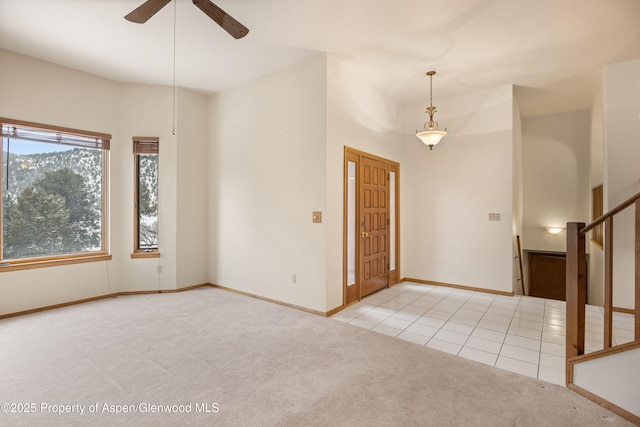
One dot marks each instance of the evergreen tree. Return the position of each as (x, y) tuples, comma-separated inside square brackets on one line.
[(84, 220), (7, 204), (38, 225), (145, 204), (148, 190), (56, 215), (148, 201)]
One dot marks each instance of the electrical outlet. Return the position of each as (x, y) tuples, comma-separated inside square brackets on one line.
[(294, 279), (494, 217), (159, 269)]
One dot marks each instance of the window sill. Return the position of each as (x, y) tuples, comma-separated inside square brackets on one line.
[(52, 262), (137, 255)]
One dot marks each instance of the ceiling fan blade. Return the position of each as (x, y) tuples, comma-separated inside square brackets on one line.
[(222, 18), (146, 10)]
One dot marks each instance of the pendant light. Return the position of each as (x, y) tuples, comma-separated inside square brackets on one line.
[(431, 135)]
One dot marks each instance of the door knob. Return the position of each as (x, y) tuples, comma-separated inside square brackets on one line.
[(364, 234)]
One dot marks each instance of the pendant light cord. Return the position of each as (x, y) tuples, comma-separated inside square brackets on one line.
[(431, 90)]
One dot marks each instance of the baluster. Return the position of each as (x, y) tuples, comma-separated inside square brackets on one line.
[(608, 282)]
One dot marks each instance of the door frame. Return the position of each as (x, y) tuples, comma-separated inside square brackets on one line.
[(352, 154)]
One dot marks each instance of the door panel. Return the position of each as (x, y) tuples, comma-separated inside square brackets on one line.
[(547, 275), (374, 241)]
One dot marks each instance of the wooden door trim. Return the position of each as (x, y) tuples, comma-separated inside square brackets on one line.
[(361, 153), (345, 226), (394, 275), (352, 154)]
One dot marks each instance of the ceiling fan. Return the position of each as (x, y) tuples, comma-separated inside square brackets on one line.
[(150, 7)]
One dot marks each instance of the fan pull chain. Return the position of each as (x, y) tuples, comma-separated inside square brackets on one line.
[(174, 67)]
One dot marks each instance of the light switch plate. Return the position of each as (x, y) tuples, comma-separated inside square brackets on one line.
[(494, 217), (317, 217)]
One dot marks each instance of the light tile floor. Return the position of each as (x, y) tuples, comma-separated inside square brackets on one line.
[(521, 334)]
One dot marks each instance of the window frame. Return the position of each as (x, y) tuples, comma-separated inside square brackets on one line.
[(142, 145), (103, 142), (597, 210)]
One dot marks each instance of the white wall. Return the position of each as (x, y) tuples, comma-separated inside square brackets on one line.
[(192, 205), (447, 193), (144, 111), (518, 198), (556, 177), (147, 110), (615, 378), (621, 170), (595, 288), (597, 141), (42, 92), (267, 175)]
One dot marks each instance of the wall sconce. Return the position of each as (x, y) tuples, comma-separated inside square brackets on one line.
[(554, 230)]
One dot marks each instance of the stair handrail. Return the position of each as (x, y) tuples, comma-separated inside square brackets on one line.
[(622, 206), (519, 256), (576, 280), (576, 297)]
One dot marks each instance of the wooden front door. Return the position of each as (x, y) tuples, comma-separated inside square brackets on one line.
[(371, 245), (374, 230)]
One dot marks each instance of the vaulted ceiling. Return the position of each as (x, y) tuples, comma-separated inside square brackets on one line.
[(553, 50)]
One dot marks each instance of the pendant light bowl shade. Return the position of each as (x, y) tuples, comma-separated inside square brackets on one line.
[(431, 136)]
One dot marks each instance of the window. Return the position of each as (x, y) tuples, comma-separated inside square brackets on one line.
[(145, 154), (54, 195), (597, 210)]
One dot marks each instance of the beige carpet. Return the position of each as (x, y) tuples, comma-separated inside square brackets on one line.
[(251, 363)]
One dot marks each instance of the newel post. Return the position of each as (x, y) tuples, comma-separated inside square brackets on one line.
[(576, 283)]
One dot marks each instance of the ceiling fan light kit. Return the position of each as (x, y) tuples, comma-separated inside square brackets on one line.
[(146, 10), (431, 136)]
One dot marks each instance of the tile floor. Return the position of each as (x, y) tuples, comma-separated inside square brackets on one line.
[(520, 334)]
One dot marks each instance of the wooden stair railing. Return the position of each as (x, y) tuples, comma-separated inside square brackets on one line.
[(519, 256), (576, 283)]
